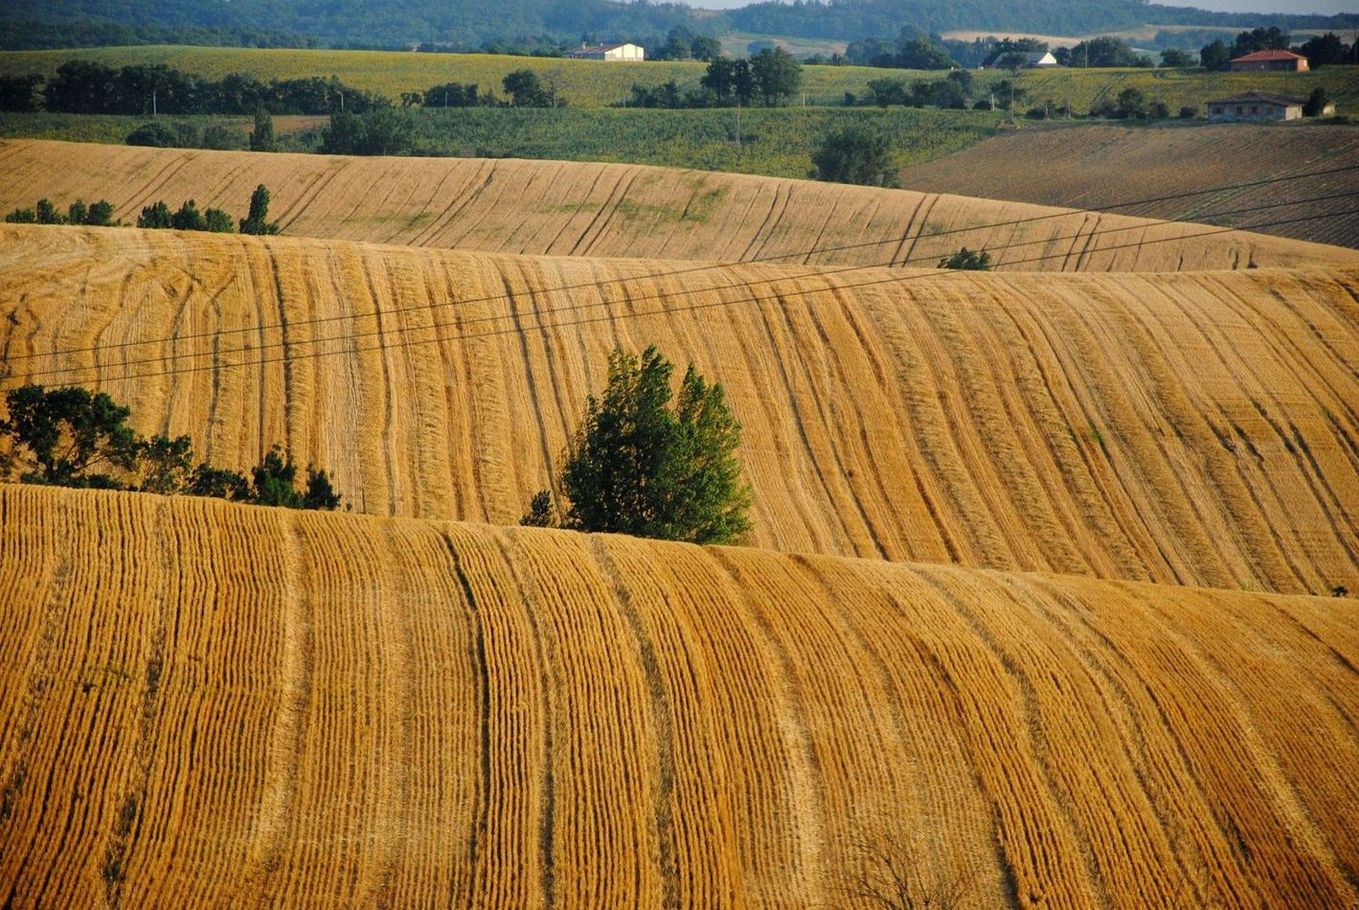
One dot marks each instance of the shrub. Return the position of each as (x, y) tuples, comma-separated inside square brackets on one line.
[(967, 260), (855, 154), (257, 221), (1189, 112)]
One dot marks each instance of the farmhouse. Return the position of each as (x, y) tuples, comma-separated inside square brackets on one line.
[(1256, 106), (1039, 59), (609, 52), (1269, 61)]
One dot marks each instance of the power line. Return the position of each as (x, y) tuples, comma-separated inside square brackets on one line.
[(319, 320), (540, 326), (379, 332)]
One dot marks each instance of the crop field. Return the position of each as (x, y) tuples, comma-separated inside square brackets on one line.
[(1071, 167), (587, 83), (561, 208), (1194, 428), (774, 142), (584, 83), (217, 705)]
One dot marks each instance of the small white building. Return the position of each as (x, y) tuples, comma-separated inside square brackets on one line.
[(1039, 60), (630, 52), (1256, 106)]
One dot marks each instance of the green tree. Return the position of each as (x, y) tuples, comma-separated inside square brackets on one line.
[(1215, 55), (638, 466), (262, 136), (100, 214), (1316, 103), (526, 89), (188, 218), (257, 221), (967, 260), (705, 48), (69, 437), (855, 154), (776, 75), (156, 215), (1175, 57)]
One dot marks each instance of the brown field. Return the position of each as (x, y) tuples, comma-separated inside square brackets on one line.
[(1071, 166), (1198, 428), (215, 705), (578, 209)]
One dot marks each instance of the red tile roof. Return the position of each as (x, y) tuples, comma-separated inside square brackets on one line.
[(1262, 56)]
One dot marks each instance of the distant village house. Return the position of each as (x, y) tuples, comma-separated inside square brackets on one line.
[(1260, 106), (1039, 59), (1270, 61), (609, 52)]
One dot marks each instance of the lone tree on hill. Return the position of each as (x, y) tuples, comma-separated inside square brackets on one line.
[(257, 221), (637, 466)]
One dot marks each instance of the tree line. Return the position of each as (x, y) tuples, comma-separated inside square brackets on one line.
[(86, 87), (155, 216), (72, 437)]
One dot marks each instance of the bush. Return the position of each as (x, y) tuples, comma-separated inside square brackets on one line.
[(967, 260), (1189, 112), (855, 154), (161, 135), (637, 466)]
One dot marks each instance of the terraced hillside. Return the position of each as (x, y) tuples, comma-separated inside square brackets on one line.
[(1071, 167), (564, 208), (1195, 428), (216, 705)]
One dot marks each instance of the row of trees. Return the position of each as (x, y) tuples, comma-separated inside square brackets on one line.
[(189, 218), (86, 87), (96, 214), (72, 437)]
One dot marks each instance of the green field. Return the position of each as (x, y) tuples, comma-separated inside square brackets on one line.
[(586, 83), (775, 142)]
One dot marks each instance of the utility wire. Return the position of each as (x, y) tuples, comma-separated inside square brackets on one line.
[(661, 311), (379, 332), (318, 320)]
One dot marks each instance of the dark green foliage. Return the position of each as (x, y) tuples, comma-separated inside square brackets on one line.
[(539, 514), (72, 437), (157, 216), (257, 221), (855, 154), (455, 94), (967, 260), (20, 93), (1260, 39), (638, 466), (1106, 51), (68, 437), (100, 214), (527, 90), (262, 136), (188, 218), (705, 48), (380, 131), (1130, 104), (1326, 50), (729, 80), (1215, 55), (218, 222), (776, 76), (220, 136), (1316, 103), (1158, 110), (1176, 57), (1189, 112), (162, 135)]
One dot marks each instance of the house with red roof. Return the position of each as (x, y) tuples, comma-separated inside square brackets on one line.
[(1270, 61)]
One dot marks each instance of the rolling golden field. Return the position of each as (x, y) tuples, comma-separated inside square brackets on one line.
[(1071, 167), (1196, 428), (218, 705), (617, 210)]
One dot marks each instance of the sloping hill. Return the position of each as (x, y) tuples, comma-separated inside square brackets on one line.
[(1196, 428), (570, 208), (214, 705), (1071, 167)]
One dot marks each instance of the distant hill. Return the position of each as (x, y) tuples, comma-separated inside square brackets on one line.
[(395, 23)]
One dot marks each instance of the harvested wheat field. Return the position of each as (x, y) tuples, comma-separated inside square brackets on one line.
[(1191, 428), (219, 705), (1071, 167), (579, 209)]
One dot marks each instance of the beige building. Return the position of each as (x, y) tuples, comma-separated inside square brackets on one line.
[(1256, 106), (1270, 61), (609, 52)]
